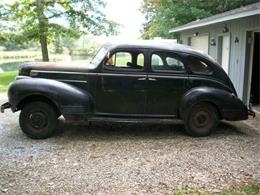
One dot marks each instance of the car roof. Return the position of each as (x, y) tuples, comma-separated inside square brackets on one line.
[(158, 44)]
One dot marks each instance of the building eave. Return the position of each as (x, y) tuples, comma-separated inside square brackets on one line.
[(215, 21)]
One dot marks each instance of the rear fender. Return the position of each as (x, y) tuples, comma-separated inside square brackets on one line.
[(229, 106), (72, 102)]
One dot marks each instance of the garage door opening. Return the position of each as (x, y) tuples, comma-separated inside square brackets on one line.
[(200, 43), (255, 80)]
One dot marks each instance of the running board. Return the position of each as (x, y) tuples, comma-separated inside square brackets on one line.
[(134, 120)]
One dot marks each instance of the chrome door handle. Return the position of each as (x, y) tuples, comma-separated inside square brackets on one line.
[(152, 79), (141, 79)]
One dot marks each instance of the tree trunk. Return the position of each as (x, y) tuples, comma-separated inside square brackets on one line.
[(44, 48), (43, 28)]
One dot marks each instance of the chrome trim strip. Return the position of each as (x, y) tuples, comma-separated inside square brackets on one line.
[(169, 76), (62, 72), (89, 73), (74, 81), (120, 75)]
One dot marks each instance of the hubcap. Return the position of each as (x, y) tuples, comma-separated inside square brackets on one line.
[(201, 119), (38, 120)]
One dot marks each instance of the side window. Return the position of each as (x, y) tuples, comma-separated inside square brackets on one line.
[(175, 64), (140, 59), (122, 58), (156, 60), (125, 60), (166, 62), (198, 66)]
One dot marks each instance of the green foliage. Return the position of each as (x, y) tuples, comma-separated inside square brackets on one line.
[(162, 15), (62, 17), (48, 21)]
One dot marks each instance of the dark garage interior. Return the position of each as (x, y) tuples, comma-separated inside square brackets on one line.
[(255, 82)]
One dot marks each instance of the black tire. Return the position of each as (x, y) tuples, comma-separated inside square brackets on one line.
[(38, 120), (201, 120)]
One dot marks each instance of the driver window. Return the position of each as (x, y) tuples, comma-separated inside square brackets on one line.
[(126, 60), (122, 58)]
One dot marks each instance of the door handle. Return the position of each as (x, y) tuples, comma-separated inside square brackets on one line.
[(141, 79), (152, 79)]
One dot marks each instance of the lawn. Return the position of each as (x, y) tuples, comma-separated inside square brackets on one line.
[(6, 78)]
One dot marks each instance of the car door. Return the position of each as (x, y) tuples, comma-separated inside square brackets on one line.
[(167, 78), (121, 85)]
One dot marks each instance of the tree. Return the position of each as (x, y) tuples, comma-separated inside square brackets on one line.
[(43, 20), (3, 15), (162, 15)]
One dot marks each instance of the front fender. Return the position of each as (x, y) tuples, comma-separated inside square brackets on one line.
[(69, 99), (230, 107)]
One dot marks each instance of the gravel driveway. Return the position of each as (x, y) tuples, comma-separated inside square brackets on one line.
[(125, 159)]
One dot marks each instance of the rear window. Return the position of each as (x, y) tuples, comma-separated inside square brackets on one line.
[(198, 66)]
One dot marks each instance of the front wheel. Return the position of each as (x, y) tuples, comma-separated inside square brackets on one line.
[(201, 120), (38, 120)]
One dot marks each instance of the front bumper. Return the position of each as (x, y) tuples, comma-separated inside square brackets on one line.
[(5, 106)]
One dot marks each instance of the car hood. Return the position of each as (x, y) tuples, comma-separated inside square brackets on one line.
[(25, 69)]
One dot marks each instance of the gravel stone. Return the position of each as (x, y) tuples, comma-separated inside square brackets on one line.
[(126, 159)]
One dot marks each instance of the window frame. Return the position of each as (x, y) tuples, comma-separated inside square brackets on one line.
[(170, 53)]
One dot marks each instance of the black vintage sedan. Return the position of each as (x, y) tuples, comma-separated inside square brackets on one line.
[(146, 81)]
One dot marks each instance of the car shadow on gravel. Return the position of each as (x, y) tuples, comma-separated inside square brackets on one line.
[(137, 131)]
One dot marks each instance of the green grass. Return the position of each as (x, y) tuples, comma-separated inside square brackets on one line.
[(249, 189), (6, 78)]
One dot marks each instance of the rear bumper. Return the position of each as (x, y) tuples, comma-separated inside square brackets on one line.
[(5, 106), (250, 111)]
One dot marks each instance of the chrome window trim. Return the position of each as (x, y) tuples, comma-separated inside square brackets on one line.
[(89, 73)]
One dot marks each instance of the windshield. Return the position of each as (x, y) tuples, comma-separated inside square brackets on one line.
[(102, 52)]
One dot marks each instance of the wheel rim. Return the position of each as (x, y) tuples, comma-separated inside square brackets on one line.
[(202, 119), (38, 120)]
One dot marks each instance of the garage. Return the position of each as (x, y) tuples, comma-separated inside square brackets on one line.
[(232, 39)]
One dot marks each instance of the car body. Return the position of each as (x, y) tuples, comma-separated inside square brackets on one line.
[(144, 81)]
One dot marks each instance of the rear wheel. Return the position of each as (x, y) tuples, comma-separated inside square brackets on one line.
[(38, 120), (201, 120)]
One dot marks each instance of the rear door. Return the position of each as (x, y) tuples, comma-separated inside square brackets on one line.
[(167, 79)]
